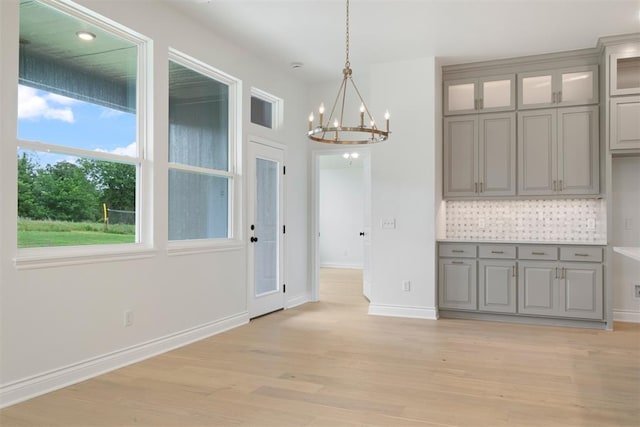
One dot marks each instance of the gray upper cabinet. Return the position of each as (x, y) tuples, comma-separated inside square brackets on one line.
[(480, 155), (480, 95), (624, 76), (558, 151), (558, 88), (624, 126)]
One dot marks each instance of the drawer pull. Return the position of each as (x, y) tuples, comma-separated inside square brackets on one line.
[(497, 252), (538, 253), (457, 251), (579, 254), (457, 262)]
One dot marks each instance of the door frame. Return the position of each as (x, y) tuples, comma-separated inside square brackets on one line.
[(253, 139), (315, 208)]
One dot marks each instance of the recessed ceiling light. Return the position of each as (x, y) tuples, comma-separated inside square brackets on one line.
[(85, 35)]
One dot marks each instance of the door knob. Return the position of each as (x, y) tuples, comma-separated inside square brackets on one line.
[(253, 239), (362, 233)]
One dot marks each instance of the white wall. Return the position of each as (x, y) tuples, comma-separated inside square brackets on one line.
[(63, 323), (404, 178), (341, 212), (626, 232)]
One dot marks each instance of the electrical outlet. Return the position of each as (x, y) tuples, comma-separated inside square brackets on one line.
[(636, 291), (406, 285), (128, 318)]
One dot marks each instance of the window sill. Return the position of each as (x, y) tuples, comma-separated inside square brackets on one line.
[(186, 247), (32, 258)]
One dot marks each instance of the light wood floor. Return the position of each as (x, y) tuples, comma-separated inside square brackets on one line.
[(330, 364)]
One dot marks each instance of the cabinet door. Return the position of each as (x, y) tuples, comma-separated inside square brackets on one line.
[(457, 284), (537, 152), (581, 290), (624, 76), (537, 289), (497, 93), (536, 90), (625, 123), (497, 286), (497, 155), (578, 151), (577, 86), (460, 96), (460, 156)]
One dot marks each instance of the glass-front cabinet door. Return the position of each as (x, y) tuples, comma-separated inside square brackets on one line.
[(487, 94), (625, 74), (558, 88)]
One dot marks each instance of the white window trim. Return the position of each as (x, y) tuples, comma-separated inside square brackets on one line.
[(277, 107), (52, 256), (234, 239)]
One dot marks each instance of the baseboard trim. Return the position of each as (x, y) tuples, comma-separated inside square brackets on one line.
[(339, 265), (296, 301), (626, 316), (28, 388), (403, 311)]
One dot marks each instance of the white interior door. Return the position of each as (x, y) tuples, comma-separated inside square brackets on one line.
[(266, 231)]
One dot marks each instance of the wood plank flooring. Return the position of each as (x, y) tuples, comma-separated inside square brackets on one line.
[(331, 364)]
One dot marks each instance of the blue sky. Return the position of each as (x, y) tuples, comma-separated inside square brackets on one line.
[(55, 119)]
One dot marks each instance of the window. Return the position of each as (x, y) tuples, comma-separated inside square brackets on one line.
[(79, 140), (266, 109), (201, 150)]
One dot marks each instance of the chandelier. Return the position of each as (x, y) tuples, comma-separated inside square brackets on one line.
[(334, 130)]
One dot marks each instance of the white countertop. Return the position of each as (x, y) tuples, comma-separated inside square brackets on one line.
[(524, 242), (631, 252)]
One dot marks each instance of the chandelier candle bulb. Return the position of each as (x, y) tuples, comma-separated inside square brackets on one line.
[(321, 111), (361, 115), (311, 121), (387, 116)]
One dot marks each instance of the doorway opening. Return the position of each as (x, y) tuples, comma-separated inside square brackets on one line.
[(341, 209)]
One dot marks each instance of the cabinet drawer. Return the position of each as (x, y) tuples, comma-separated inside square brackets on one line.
[(538, 252), (497, 251), (458, 250), (580, 253)]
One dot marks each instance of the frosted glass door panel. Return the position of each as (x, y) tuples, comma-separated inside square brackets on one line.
[(577, 87), (625, 75), (496, 94), (267, 226), (461, 97), (536, 90)]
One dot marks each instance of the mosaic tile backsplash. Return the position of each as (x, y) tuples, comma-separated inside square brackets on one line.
[(567, 220)]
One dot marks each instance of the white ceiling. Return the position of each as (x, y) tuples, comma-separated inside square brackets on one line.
[(313, 31)]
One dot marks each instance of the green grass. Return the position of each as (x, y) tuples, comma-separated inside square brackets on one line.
[(33, 233)]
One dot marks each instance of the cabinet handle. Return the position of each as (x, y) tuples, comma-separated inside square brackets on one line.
[(457, 262), (579, 254), (555, 185), (563, 273), (480, 104), (513, 271), (457, 251), (537, 253), (482, 187), (560, 185), (553, 98), (475, 187), (559, 97), (556, 272), (497, 252)]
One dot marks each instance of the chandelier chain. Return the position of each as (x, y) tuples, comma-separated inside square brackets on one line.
[(347, 63)]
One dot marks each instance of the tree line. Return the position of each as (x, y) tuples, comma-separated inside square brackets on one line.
[(67, 191)]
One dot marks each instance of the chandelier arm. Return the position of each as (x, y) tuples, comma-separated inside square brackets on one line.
[(363, 103), (333, 108), (344, 97)]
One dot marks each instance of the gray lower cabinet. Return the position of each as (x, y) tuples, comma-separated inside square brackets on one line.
[(457, 284), (530, 280), (497, 286)]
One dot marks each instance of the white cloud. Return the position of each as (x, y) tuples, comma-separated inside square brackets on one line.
[(130, 150), (31, 105)]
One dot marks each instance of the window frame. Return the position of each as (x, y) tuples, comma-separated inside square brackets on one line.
[(40, 257), (233, 174), (277, 108)]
